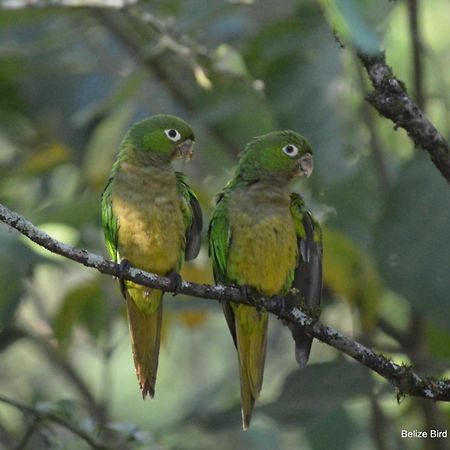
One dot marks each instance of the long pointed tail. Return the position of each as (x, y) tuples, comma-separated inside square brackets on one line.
[(144, 317), (251, 334)]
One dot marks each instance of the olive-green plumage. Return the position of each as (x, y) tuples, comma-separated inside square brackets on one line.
[(152, 219), (261, 236)]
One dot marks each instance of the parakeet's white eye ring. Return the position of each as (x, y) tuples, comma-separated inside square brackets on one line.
[(173, 134), (290, 150)]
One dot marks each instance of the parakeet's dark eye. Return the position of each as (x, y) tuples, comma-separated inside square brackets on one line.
[(290, 150), (173, 134)]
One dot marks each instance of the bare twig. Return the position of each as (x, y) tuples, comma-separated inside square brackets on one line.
[(96, 408), (379, 424), (28, 433), (389, 97), (401, 376), (54, 418)]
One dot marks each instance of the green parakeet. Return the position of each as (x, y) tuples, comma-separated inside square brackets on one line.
[(261, 236), (151, 220)]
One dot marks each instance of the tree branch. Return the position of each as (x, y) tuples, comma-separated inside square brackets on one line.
[(41, 415), (401, 376), (390, 99)]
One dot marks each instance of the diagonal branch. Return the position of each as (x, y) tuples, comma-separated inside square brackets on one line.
[(401, 376), (391, 100)]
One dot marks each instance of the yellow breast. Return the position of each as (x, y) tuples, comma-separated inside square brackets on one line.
[(151, 228), (263, 249)]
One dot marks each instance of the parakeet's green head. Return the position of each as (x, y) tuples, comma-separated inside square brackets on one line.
[(279, 156), (159, 138)]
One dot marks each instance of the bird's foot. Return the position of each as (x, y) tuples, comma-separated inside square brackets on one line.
[(286, 303), (124, 267), (251, 296), (176, 280), (280, 301), (246, 292)]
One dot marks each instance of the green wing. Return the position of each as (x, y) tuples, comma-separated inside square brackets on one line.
[(192, 215), (308, 273), (110, 222), (219, 235)]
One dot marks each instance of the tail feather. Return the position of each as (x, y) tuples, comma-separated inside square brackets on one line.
[(145, 331), (303, 344), (251, 334)]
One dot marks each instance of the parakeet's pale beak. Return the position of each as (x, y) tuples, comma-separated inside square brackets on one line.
[(184, 150), (306, 165)]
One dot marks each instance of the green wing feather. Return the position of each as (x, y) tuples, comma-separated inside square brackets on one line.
[(192, 215), (110, 222), (219, 236), (308, 273)]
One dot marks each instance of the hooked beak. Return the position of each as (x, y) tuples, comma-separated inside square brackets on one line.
[(306, 165), (184, 150)]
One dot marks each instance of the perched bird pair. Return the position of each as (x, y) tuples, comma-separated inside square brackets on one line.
[(261, 237)]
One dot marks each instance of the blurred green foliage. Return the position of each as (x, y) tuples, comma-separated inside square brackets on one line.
[(73, 80)]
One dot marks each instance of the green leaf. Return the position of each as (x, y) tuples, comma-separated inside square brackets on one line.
[(83, 305), (103, 146), (351, 272), (345, 16), (237, 110), (438, 341), (16, 259), (357, 201), (58, 231), (310, 393), (75, 213), (228, 60), (413, 239), (334, 431), (298, 62)]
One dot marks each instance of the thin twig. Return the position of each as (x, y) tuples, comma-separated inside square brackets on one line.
[(96, 408), (379, 424), (54, 418), (401, 376), (28, 433)]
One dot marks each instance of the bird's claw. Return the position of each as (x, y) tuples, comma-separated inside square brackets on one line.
[(286, 303), (177, 282), (124, 267), (246, 293), (280, 301)]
